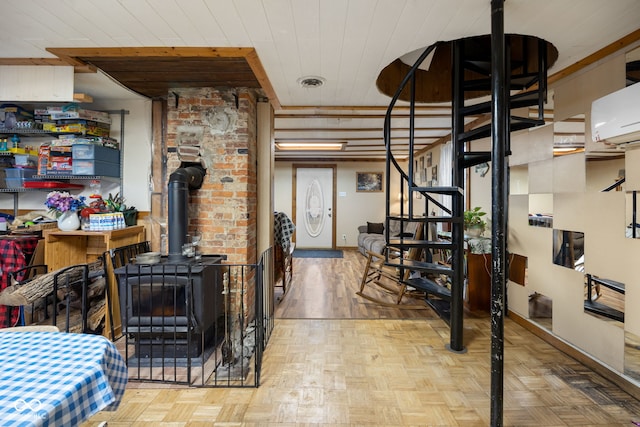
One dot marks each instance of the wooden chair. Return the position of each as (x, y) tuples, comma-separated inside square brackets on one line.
[(388, 280)]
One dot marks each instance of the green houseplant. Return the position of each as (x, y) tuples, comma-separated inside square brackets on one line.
[(474, 224), (116, 204)]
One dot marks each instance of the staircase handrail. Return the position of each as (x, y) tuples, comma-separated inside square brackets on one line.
[(614, 185), (387, 127)]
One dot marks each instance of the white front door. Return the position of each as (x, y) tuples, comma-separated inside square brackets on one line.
[(314, 208)]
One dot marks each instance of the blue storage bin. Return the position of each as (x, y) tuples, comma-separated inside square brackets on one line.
[(19, 173), (95, 152), (95, 167)]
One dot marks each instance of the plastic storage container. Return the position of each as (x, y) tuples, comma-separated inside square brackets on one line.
[(20, 173), (15, 182), (95, 167), (95, 152)]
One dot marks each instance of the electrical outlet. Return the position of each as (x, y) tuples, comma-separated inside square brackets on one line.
[(344, 237)]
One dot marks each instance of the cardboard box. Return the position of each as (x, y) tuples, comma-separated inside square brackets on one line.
[(83, 122), (59, 166), (60, 113), (76, 128), (43, 159)]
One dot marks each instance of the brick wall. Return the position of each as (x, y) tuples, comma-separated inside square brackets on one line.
[(224, 210)]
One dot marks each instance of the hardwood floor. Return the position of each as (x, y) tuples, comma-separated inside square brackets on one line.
[(335, 359)]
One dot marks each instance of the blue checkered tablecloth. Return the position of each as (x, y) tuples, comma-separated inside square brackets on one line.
[(57, 379)]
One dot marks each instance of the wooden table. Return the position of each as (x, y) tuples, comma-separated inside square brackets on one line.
[(65, 248)]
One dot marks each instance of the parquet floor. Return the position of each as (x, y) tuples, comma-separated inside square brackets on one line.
[(335, 360)]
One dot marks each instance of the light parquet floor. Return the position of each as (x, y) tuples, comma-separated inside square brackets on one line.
[(335, 360)]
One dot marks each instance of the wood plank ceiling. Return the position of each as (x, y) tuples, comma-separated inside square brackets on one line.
[(347, 43)]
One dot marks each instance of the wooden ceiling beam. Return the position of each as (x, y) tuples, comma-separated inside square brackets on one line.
[(395, 129), (357, 116), (249, 54)]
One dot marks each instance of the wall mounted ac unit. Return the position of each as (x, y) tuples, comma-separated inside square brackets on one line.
[(615, 118)]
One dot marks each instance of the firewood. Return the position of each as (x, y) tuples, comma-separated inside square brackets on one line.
[(42, 285)]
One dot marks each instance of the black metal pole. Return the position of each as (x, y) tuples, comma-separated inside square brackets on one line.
[(499, 137), (456, 343)]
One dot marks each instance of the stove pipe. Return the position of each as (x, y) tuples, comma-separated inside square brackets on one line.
[(186, 177)]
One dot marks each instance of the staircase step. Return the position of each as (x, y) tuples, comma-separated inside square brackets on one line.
[(426, 219), (524, 99), (473, 158), (427, 267), (603, 310), (430, 287), (438, 190), (479, 66), (478, 108), (517, 123), (442, 307), (611, 284), (483, 66), (409, 243), (517, 82)]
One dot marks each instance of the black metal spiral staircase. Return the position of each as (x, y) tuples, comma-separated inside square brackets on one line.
[(470, 75)]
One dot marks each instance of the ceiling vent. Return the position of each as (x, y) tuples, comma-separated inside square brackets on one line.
[(311, 81)]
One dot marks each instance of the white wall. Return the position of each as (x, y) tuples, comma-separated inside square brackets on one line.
[(136, 178), (578, 205), (352, 208)]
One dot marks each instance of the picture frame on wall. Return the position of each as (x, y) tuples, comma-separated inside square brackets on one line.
[(429, 159), (369, 182)]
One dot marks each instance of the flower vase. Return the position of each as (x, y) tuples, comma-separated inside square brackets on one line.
[(68, 221)]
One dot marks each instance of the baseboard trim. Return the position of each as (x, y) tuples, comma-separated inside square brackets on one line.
[(613, 376)]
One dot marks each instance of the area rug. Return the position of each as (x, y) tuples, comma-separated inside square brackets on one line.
[(316, 253)]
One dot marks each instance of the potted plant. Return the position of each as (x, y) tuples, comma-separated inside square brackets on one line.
[(116, 204), (474, 224), (65, 207)]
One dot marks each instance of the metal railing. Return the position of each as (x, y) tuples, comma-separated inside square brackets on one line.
[(170, 342)]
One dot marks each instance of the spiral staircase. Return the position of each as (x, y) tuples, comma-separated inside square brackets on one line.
[(469, 59)]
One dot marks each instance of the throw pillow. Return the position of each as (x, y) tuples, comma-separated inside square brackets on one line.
[(375, 227)]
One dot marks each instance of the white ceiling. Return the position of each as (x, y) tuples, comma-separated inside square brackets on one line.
[(347, 42)]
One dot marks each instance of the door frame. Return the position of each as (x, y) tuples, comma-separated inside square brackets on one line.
[(294, 188)]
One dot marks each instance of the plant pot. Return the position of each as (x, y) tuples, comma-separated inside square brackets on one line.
[(69, 221), (474, 231), (130, 217)]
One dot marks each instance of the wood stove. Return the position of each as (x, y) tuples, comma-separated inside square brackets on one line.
[(172, 310)]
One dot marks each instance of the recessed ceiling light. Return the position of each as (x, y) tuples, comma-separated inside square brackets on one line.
[(311, 81)]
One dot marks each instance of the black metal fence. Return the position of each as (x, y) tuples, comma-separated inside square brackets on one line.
[(201, 323)]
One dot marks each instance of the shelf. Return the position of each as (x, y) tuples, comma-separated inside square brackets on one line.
[(67, 177), (20, 190), (32, 132)]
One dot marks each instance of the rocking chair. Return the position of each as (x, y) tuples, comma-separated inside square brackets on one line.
[(389, 280)]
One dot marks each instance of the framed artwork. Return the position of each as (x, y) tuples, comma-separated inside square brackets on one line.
[(368, 181), (434, 172), (429, 159)]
